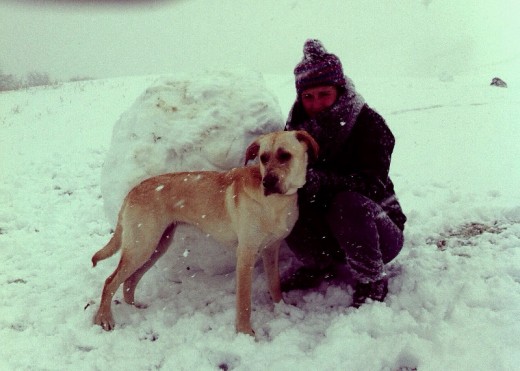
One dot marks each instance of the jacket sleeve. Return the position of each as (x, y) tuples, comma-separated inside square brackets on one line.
[(369, 158)]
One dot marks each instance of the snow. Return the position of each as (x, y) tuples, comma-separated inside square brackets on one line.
[(454, 300)]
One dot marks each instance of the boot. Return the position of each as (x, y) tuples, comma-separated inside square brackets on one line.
[(375, 291)]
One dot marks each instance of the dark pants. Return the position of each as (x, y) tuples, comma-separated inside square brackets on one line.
[(354, 231)]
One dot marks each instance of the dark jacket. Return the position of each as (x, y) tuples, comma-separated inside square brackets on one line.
[(355, 155)]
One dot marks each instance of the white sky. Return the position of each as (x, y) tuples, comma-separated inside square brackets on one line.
[(373, 37)]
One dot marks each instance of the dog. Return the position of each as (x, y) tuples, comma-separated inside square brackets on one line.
[(252, 208)]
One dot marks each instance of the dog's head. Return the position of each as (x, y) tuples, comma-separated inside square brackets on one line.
[(284, 156)]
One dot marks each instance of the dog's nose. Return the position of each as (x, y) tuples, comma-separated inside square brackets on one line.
[(270, 182)]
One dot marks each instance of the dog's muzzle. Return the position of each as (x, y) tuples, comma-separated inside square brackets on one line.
[(270, 183)]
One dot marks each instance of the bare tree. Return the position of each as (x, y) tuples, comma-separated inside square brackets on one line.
[(9, 82), (38, 79)]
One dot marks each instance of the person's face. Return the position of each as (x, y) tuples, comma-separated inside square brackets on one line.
[(318, 99)]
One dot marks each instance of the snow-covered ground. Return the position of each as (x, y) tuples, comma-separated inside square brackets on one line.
[(454, 300)]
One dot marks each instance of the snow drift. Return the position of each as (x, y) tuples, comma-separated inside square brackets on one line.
[(454, 300)]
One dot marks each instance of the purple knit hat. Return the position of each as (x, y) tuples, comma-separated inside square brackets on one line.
[(317, 68)]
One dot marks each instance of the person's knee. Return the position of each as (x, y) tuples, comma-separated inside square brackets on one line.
[(350, 206), (392, 241)]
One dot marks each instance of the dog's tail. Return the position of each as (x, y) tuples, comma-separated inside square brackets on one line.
[(110, 248)]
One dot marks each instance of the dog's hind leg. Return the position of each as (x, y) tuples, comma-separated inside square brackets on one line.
[(138, 246), (131, 282)]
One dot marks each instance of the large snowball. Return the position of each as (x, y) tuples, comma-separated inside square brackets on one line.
[(188, 123)]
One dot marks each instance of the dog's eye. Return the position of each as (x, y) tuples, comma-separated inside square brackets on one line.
[(284, 156), (264, 158)]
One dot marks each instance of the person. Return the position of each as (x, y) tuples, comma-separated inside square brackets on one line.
[(349, 213)]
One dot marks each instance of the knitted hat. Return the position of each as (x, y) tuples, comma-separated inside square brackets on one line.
[(318, 68)]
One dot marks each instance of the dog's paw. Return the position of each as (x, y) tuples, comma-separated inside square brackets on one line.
[(245, 330), (105, 320)]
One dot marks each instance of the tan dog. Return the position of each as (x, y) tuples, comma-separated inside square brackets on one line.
[(253, 208)]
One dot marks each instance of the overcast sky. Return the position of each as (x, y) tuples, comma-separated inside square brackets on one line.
[(66, 39)]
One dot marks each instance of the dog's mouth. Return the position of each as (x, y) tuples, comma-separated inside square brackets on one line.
[(272, 190), (271, 182)]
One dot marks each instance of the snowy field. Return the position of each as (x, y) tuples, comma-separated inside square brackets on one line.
[(454, 300)]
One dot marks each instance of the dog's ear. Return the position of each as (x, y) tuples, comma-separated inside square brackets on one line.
[(252, 151), (312, 145)]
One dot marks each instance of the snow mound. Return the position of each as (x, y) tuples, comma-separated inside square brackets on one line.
[(183, 123)]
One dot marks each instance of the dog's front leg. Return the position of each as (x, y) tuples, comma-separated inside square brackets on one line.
[(244, 275), (270, 259)]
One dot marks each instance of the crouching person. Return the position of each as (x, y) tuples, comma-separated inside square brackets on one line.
[(349, 213)]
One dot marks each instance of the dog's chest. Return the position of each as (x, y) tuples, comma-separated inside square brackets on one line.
[(280, 218)]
